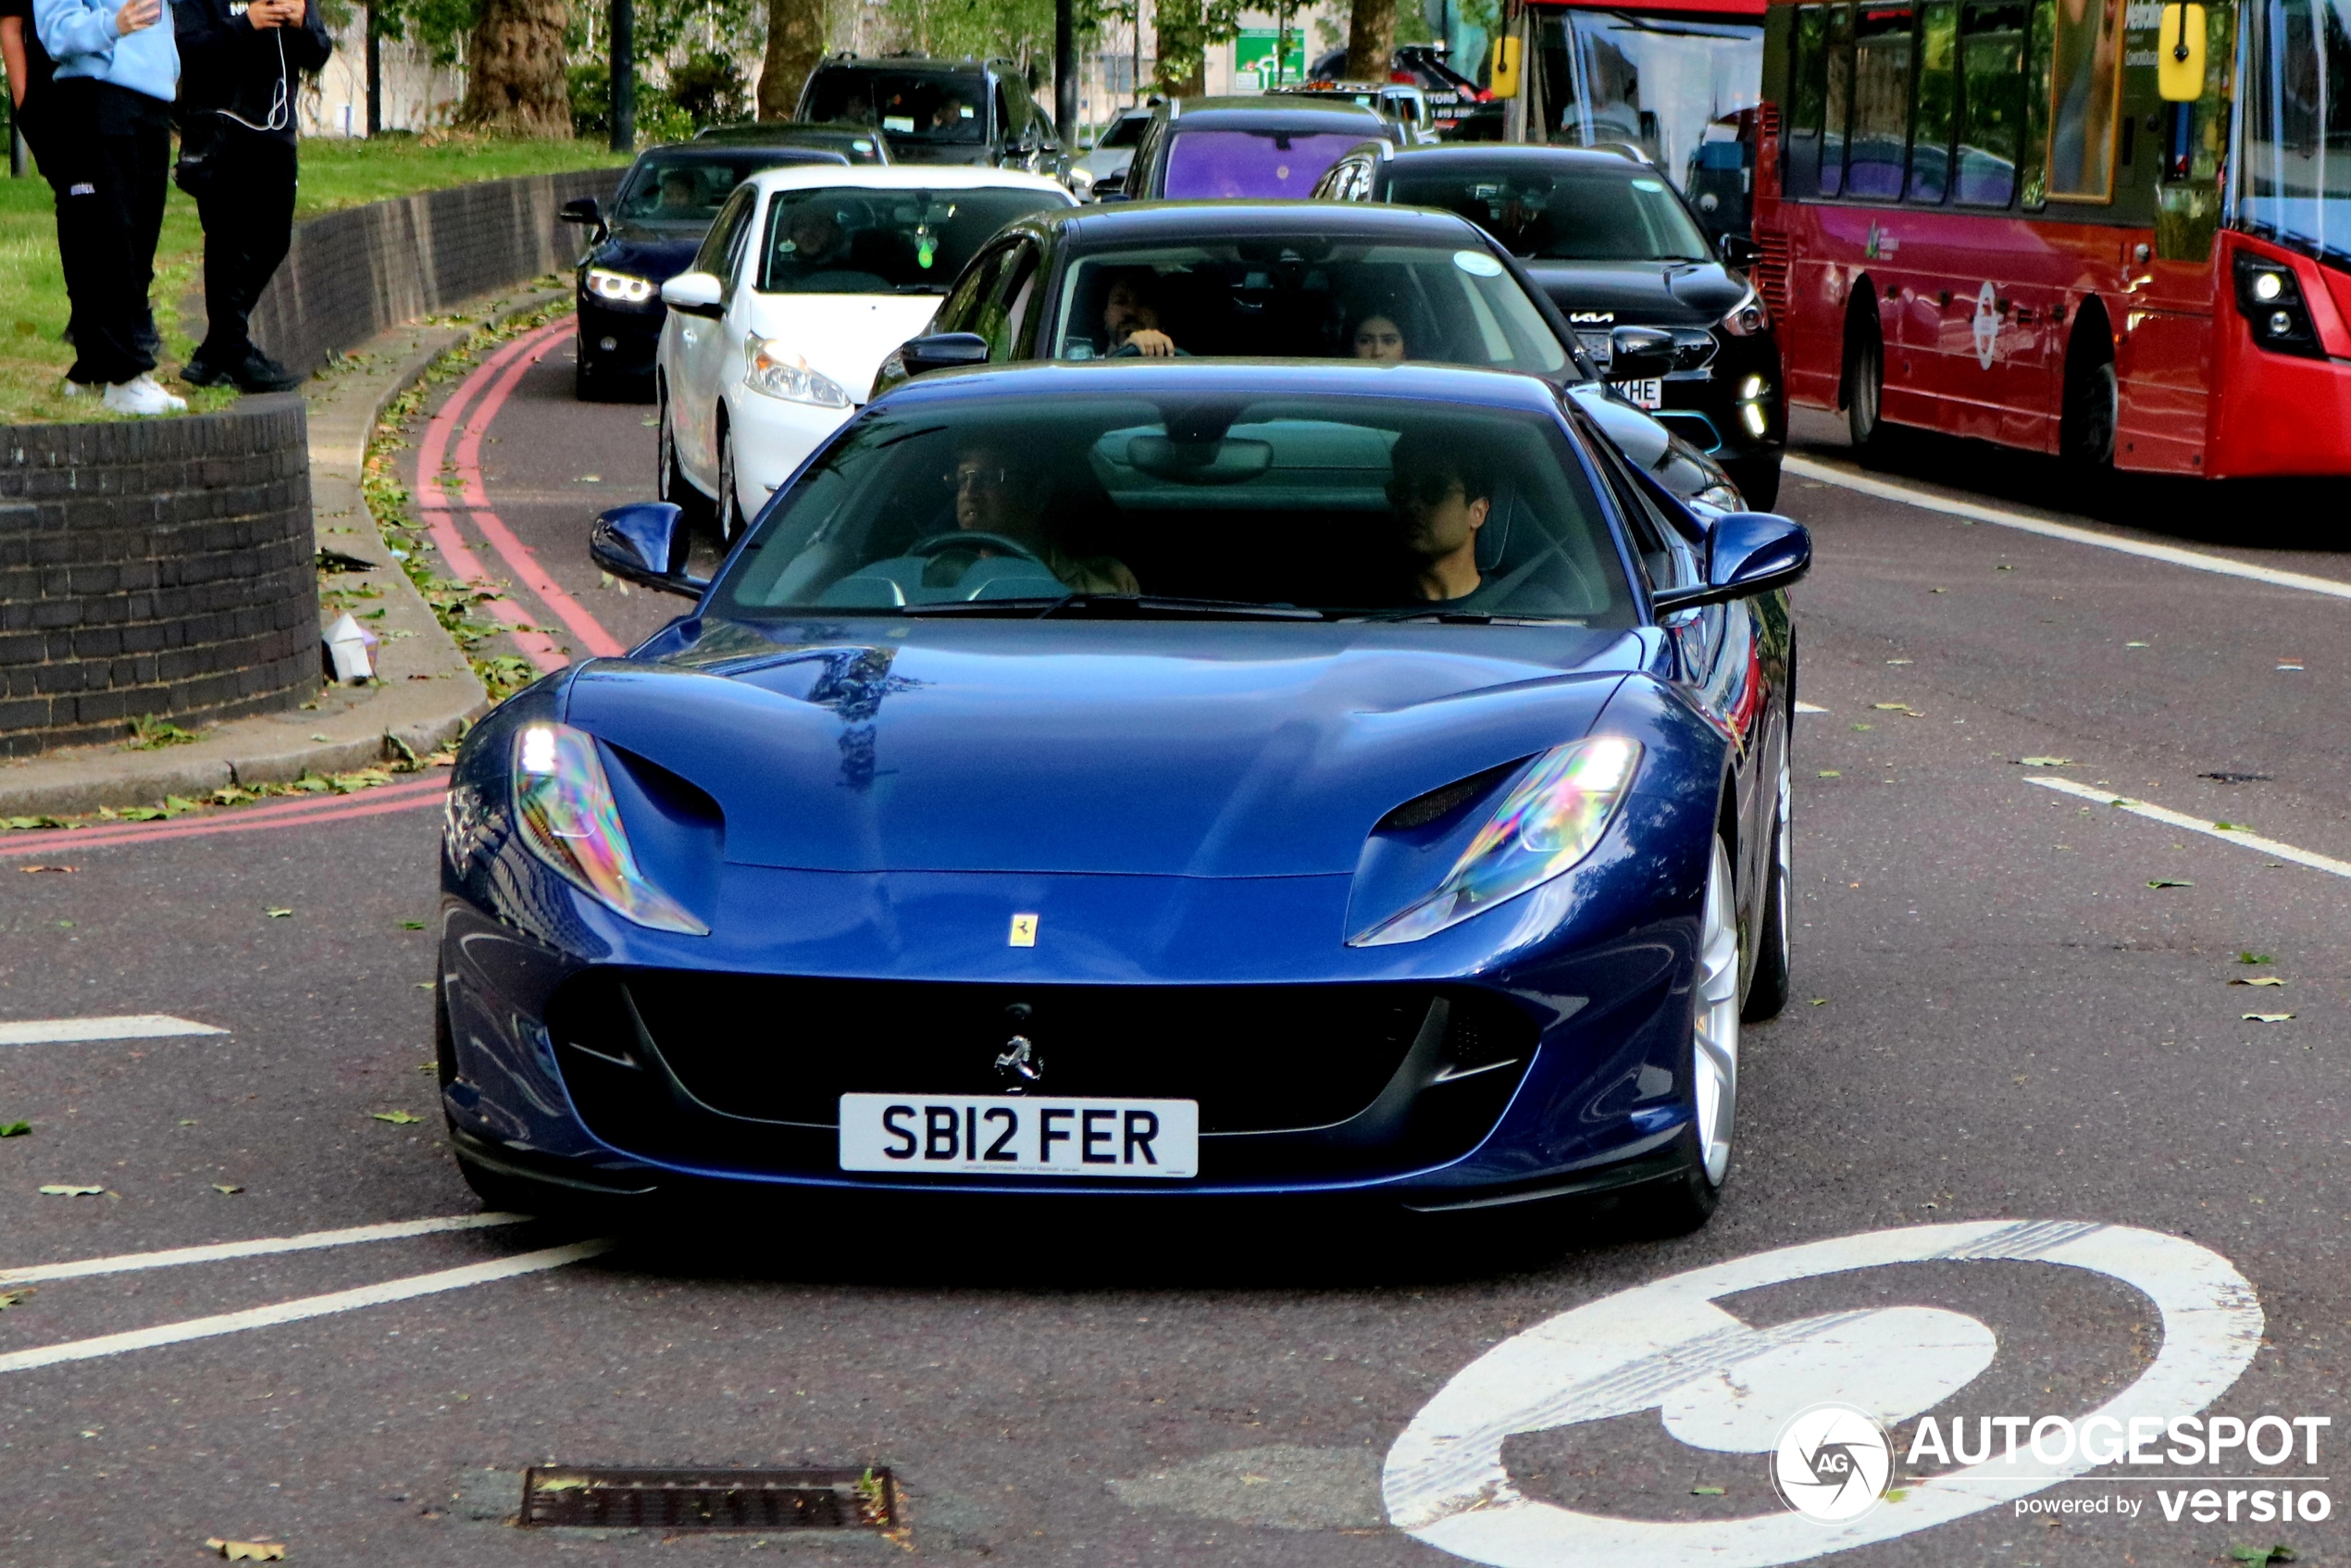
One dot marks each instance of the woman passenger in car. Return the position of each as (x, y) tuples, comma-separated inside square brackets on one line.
[(1378, 337)]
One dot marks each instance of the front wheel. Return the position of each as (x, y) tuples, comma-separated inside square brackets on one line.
[(729, 510), (1767, 990), (670, 482), (1865, 385), (1681, 1203)]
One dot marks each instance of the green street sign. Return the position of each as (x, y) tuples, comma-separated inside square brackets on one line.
[(1253, 59)]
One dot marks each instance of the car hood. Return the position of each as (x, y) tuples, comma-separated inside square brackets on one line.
[(656, 253), (1642, 294), (975, 155), (846, 336), (1147, 748)]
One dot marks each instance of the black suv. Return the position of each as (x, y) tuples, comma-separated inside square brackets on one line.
[(939, 111), (1662, 312)]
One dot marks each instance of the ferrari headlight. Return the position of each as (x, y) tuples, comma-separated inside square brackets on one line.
[(624, 287), (564, 804), (777, 371), (1543, 827), (1747, 317)]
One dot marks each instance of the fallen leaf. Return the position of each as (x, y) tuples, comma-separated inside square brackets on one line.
[(187, 1121), (227, 1189), (2267, 1017), (1831, 773), (1898, 1494), (2135, 644), (11, 1298), (2235, 826), (36, 870), (2168, 882), (2255, 958), (2004, 566), (1820, 1002), (2045, 762), (15, 1130), (412, 925), (248, 1551), (1934, 591), (1894, 708), (1901, 661), (1865, 726), (60, 1189), (2259, 980), (397, 1118), (277, 913), (1706, 1491)]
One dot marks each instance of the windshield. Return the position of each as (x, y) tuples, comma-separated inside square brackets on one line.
[(1312, 298), (1215, 165), (688, 188), (1562, 213), (1612, 76), (852, 240), (1288, 508), (920, 106), (1124, 133), (2296, 183)]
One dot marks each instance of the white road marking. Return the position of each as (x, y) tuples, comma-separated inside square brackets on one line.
[(127, 1262), (2193, 824), (135, 1026), (1663, 1346), (303, 1307), (2171, 555), (1810, 708)]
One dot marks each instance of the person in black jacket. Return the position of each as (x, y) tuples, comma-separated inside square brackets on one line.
[(30, 70), (241, 64)]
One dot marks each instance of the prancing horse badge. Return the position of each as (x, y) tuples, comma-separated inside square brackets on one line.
[(1024, 931)]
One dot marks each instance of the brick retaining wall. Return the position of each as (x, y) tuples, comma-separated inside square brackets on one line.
[(162, 566)]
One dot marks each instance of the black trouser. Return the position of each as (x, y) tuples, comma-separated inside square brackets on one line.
[(114, 147), (247, 206)]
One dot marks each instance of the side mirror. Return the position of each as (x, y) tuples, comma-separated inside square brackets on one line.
[(646, 543), (943, 351), (1111, 188), (1747, 553), (1638, 352), (581, 209), (2179, 60), (694, 294), (1740, 252)]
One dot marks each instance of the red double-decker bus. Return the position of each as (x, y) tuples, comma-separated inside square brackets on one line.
[(1987, 218)]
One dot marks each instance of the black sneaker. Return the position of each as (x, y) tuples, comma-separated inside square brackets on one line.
[(261, 373), (196, 373)]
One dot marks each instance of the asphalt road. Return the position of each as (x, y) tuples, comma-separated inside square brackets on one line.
[(1997, 1017)]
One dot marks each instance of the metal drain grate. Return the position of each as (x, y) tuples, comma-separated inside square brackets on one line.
[(709, 1499)]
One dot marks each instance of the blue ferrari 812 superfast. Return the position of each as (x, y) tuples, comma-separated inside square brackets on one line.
[(1156, 778)]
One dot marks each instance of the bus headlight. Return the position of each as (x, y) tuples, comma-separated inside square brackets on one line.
[(2270, 301)]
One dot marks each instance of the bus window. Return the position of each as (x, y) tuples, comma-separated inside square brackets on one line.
[(1837, 100), (2037, 106), (1881, 103), (1992, 99), (1808, 89), (1938, 94), (2083, 68), (2297, 125)]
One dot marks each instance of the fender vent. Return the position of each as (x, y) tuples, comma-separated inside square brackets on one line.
[(1770, 273)]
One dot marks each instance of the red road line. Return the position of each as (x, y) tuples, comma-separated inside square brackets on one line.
[(345, 808), (431, 497), (513, 551)]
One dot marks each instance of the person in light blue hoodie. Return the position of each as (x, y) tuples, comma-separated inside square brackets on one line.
[(117, 70)]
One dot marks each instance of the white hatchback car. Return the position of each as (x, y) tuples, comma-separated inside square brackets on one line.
[(810, 274)]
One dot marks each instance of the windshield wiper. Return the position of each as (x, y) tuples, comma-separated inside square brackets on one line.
[(1114, 607), (1462, 618)]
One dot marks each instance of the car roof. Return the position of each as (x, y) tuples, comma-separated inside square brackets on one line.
[(1029, 380), (1490, 154), (735, 152), (1126, 222), (1268, 113), (968, 65), (905, 177)]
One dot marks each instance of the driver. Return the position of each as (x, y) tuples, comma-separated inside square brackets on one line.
[(816, 240), (1131, 315), (995, 494), (1441, 494), (681, 194)]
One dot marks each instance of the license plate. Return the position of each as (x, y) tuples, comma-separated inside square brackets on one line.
[(1644, 394), (1019, 1135)]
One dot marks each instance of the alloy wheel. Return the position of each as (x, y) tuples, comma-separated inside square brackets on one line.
[(1715, 1027), (730, 511)]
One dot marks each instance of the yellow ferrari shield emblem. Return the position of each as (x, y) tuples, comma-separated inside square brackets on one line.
[(1024, 930)]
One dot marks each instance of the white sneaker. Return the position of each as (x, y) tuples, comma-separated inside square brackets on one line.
[(79, 389), (140, 394)]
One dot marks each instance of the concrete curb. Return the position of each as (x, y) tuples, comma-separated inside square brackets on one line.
[(425, 693)]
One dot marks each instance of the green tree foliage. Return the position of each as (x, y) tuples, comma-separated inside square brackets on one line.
[(1186, 30)]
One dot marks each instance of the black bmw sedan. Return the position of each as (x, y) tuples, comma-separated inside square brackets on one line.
[(665, 204), (1612, 243)]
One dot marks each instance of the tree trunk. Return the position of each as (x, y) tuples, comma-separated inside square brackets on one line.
[(795, 43), (1183, 48), (514, 81), (1371, 40)]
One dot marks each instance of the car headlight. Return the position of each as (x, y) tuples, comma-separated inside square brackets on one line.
[(1542, 828), (1749, 316), (624, 287), (777, 371), (563, 806)]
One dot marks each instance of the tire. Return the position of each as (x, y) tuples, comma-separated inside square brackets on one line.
[(586, 385), (1767, 984), (2091, 410), (1865, 384), (670, 482), (1679, 1204), (1758, 480), (728, 513)]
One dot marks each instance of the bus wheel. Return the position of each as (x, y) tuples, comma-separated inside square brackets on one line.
[(2087, 436), (1864, 384)]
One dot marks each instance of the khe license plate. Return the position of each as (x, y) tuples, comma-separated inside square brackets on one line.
[(1019, 1135), (1649, 393)]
